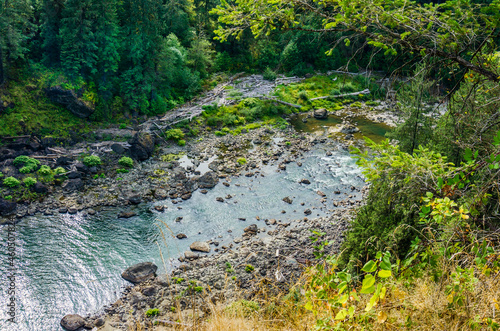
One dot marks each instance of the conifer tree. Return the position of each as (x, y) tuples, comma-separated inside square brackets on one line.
[(51, 24), (78, 43), (15, 30)]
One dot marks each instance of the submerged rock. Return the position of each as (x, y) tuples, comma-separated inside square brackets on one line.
[(72, 322), (140, 272)]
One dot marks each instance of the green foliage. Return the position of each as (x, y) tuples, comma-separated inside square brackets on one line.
[(198, 289), (398, 180), (29, 181), (11, 182), (92, 161), (229, 268), (174, 134), (249, 268), (29, 164), (241, 161), (126, 162), (243, 308), (269, 74), (59, 171), (152, 312), (181, 142)]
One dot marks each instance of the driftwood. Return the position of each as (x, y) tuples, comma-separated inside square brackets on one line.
[(283, 102), (367, 91), (15, 137)]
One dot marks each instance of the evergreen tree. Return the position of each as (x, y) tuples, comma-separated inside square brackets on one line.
[(15, 30), (51, 24), (106, 37), (78, 43)]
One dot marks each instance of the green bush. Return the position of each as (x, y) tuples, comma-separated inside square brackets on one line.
[(152, 312), (11, 182), (242, 161), (59, 171), (126, 162), (269, 74), (45, 171), (249, 268), (28, 164), (181, 142), (174, 134), (92, 161), (1, 174), (29, 181)]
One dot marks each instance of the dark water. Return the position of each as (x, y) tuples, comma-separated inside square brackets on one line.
[(72, 264), (368, 128)]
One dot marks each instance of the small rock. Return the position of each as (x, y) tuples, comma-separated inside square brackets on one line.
[(288, 200), (200, 246), (305, 181), (178, 219), (220, 199), (181, 236), (127, 214), (135, 200), (308, 212), (190, 255)]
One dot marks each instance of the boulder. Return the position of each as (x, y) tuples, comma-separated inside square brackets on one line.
[(135, 199), (7, 207), (320, 113), (288, 200), (208, 180), (40, 188), (70, 100), (72, 185), (72, 322), (200, 246), (118, 149), (142, 145), (63, 161), (140, 272)]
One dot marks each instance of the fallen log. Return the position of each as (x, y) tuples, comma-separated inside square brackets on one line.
[(367, 91), (283, 102)]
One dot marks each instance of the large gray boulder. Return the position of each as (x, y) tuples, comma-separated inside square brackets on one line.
[(208, 180), (142, 145), (72, 322), (140, 272), (70, 100)]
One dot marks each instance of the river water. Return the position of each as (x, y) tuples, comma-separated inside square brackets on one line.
[(72, 264)]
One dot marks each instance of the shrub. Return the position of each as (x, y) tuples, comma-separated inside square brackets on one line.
[(249, 268), (152, 312), (44, 170), (181, 142), (28, 164), (29, 181), (241, 161), (1, 174), (126, 162), (243, 308), (92, 161), (174, 134), (303, 96), (8, 197), (198, 289), (123, 126), (59, 171), (269, 74), (11, 182)]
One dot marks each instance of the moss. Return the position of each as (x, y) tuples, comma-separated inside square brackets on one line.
[(171, 157)]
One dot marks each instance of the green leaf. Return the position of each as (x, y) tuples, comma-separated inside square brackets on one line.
[(368, 282), (347, 42), (370, 266), (341, 315), (384, 273), (308, 305)]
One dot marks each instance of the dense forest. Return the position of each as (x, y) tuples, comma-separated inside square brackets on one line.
[(430, 222)]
